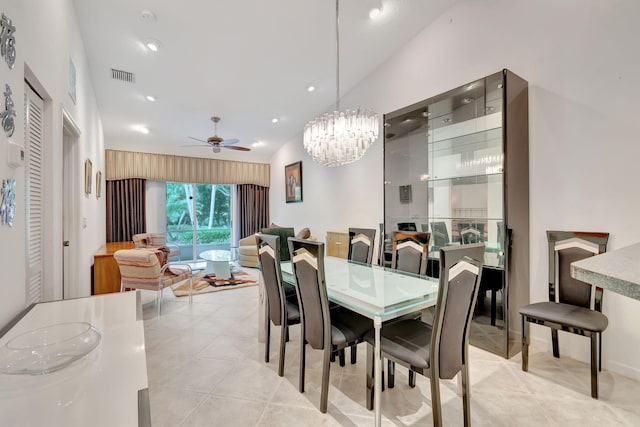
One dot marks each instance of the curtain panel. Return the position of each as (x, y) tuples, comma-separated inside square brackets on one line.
[(125, 209), (253, 207), (163, 167)]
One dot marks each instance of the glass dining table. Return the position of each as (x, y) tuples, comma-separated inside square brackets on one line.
[(378, 293)]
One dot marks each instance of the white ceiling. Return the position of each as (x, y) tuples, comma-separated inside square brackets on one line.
[(246, 61)]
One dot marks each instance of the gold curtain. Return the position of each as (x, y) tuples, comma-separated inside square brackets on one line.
[(164, 167)]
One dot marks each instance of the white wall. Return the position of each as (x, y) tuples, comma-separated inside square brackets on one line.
[(47, 35), (580, 59)]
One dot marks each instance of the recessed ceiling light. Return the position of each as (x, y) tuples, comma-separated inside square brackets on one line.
[(407, 120), (499, 85), (257, 144), (471, 86), (375, 13), (311, 88), (152, 45), (426, 113), (141, 129), (446, 120), (467, 100), (274, 120), (148, 16), (151, 98)]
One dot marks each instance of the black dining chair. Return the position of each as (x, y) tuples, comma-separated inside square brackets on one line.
[(361, 244), (569, 307), (438, 351), (280, 310), (410, 251), (322, 328)]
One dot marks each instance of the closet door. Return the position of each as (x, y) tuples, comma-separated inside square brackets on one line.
[(34, 109)]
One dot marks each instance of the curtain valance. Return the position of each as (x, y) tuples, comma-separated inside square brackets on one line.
[(165, 167)]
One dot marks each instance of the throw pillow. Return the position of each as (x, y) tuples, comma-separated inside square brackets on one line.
[(305, 233)]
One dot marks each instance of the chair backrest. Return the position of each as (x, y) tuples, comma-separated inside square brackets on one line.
[(566, 247), (410, 251), (361, 242), (307, 260), (149, 240), (269, 259), (407, 226), (460, 274), (440, 234), (471, 233), (139, 268), (284, 233)]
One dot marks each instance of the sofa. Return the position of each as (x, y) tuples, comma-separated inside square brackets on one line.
[(248, 250)]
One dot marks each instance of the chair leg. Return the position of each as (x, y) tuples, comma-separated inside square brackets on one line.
[(466, 395), (354, 354), (493, 307), (267, 339), (412, 379), (600, 351), (525, 344), (332, 357), (554, 342), (341, 356), (594, 366), (283, 335), (391, 376), (287, 336), (370, 376), (302, 360), (436, 409), (326, 366)]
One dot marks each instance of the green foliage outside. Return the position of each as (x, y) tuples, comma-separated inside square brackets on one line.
[(212, 215)]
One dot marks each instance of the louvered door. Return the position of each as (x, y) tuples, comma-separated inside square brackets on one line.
[(34, 108)]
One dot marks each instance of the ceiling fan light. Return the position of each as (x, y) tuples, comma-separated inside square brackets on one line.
[(151, 98)]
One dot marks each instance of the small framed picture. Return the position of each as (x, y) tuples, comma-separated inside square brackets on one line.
[(405, 194), (88, 176), (72, 80), (293, 182), (98, 184)]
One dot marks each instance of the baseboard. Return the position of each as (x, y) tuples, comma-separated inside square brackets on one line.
[(622, 369)]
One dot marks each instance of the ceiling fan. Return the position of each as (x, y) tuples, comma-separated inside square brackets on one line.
[(217, 143)]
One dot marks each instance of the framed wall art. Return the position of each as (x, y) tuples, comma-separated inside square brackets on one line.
[(98, 184), (88, 176), (293, 182)]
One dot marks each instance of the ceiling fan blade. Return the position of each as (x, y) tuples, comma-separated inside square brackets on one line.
[(236, 148), (196, 139), (230, 141)]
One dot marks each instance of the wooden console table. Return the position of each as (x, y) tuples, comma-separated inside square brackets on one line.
[(106, 274)]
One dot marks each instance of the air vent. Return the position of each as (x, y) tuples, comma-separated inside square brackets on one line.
[(124, 76)]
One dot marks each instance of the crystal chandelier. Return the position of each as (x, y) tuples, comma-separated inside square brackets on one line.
[(341, 137)]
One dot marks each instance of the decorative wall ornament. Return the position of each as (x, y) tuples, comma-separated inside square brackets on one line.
[(98, 184), (88, 176), (8, 206), (7, 41), (9, 113)]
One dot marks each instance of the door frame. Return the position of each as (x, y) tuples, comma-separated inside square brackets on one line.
[(70, 138)]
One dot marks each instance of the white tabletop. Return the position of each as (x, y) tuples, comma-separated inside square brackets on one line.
[(372, 290), (100, 389), (216, 255)]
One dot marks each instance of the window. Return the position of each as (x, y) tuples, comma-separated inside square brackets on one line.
[(198, 217)]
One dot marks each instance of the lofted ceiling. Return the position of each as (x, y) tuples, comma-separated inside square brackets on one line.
[(247, 61)]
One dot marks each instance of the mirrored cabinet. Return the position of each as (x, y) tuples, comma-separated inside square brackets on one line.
[(456, 165)]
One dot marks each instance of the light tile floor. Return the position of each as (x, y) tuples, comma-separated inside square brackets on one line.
[(206, 368)]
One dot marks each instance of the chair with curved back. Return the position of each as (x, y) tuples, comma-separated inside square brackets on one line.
[(141, 269), (322, 328), (440, 235), (280, 310), (361, 243), (569, 307), (438, 351), (410, 251), (471, 233)]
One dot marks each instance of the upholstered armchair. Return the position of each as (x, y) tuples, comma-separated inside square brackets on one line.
[(248, 252), (155, 241), (141, 269)]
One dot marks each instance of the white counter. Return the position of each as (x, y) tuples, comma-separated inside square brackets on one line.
[(101, 389)]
